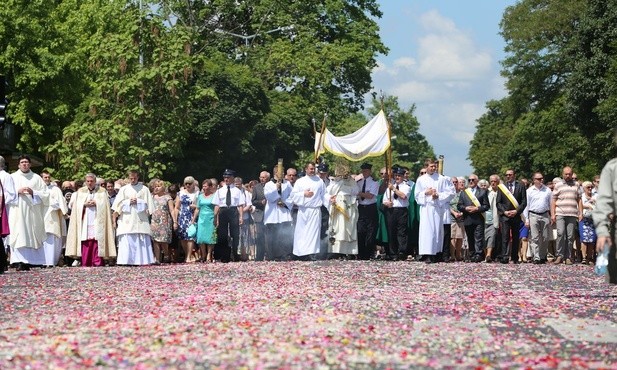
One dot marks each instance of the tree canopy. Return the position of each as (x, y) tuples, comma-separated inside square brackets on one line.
[(182, 87), (560, 73)]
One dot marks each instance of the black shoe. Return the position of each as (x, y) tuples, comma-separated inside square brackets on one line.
[(538, 262), (23, 267), (504, 260)]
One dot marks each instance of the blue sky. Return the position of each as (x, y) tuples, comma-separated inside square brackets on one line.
[(444, 57)]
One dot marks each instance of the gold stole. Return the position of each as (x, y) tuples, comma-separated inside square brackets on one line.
[(474, 200), (508, 195)]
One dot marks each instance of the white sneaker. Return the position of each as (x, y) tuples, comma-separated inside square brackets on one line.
[(76, 263)]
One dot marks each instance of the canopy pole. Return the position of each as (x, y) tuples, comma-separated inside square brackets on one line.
[(321, 137)]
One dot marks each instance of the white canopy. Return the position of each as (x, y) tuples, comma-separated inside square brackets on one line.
[(371, 140)]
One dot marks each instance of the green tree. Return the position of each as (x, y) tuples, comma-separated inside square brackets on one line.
[(301, 59), (168, 89), (40, 57), (559, 70)]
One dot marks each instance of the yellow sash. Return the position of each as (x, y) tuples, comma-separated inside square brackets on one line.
[(337, 207), (473, 198), (508, 195)]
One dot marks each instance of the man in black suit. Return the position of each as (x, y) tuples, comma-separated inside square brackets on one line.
[(473, 202), (259, 202), (511, 201)]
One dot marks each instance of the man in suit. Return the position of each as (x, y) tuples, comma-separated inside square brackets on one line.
[(259, 202), (473, 202), (511, 201)]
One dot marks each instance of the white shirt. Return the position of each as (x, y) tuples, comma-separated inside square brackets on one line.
[(398, 202), (538, 200), (372, 187), (220, 197)]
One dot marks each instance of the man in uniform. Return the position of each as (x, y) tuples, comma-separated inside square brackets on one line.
[(367, 213), (228, 203)]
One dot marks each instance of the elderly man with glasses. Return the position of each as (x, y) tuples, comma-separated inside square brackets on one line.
[(473, 202)]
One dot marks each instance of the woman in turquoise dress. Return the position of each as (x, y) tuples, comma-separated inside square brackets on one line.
[(204, 214)]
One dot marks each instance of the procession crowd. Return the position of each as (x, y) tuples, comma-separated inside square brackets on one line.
[(283, 216)]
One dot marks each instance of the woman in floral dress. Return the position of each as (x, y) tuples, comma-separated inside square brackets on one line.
[(204, 216), (586, 229), (185, 205), (161, 221)]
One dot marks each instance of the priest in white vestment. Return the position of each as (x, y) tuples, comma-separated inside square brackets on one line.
[(55, 226), (309, 194), (433, 193), (91, 233), (9, 196), (26, 217), (342, 194), (8, 185), (132, 208)]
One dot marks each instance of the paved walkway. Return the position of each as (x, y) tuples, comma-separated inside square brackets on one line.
[(330, 314)]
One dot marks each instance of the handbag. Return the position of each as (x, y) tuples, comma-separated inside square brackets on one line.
[(191, 231)]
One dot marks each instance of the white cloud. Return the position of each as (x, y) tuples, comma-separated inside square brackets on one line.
[(405, 63), (415, 91), (401, 65), (447, 53), (448, 75)]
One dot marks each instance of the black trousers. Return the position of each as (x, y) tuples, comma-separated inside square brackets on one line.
[(323, 232), (397, 230), (3, 261), (413, 242), (279, 241), (475, 239), (445, 247), (260, 241), (510, 232), (367, 230), (228, 234)]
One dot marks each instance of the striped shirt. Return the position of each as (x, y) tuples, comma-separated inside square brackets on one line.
[(566, 197)]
